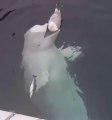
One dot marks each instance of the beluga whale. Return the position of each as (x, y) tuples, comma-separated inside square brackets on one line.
[(48, 83)]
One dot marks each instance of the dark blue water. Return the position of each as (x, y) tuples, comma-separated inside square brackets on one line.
[(87, 23)]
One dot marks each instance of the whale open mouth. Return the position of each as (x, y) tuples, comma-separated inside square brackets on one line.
[(52, 27)]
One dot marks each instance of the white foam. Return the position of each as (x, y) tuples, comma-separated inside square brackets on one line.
[(70, 52)]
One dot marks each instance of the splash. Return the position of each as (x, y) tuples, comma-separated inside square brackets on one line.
[(70, 52)]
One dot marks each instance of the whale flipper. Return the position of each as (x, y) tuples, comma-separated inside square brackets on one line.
[(33, 86), (38, 82)]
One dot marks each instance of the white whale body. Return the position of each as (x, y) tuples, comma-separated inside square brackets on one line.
[(55, 94)]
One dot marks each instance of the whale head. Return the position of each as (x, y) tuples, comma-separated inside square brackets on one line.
[(35, 39)]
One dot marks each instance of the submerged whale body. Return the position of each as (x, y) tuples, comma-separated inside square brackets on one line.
[(55, 94)]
